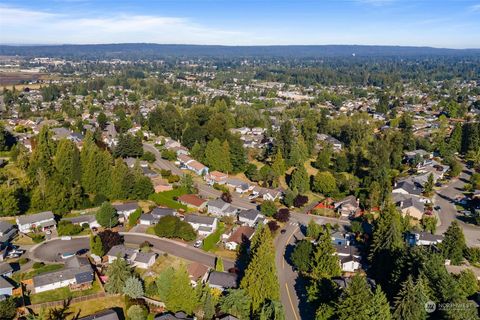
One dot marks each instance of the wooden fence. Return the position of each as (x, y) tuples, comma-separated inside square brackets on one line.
[(52, 304)]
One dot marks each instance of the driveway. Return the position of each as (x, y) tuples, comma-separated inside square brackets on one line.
[(50, 251), (445, 198)]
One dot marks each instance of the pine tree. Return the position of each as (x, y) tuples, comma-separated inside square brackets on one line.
[(219, 264), (133, 288), (355, 303), (380, 308), (298, 154), (198, 152), (325, 263), (278, 165), (118, 272), (323, 158), (262, 266), (121, 181), (96, 245), (237, 303), (453, 244), (410, 301), (67, 163), (43, 153), (272, 310), (217, 156), (182, 297)]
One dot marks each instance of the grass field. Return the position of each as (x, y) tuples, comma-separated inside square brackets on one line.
[(63, 293), (35, 272), (210, 241), (166, 198)]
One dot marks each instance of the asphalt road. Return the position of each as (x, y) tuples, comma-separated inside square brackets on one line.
[(203, 189), (50, 251), (445, 198)]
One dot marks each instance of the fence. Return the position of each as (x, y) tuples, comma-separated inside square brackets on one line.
[(60, 302)]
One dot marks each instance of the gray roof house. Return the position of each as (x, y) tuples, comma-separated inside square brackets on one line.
[(407, 187), (77, 271), (155, 215), (44, 220), (250, 217), (84, 219), (202, 224), (120, 251), (7, 231), (220, 208), (108, 314), (222, 280), (6, 287), (6, 269), (124, 210)]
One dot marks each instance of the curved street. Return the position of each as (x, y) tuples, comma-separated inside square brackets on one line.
[(51, 251)]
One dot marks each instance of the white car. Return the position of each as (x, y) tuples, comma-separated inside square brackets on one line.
[(197, 243)]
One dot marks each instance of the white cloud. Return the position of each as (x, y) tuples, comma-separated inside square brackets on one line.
[(19, 25)]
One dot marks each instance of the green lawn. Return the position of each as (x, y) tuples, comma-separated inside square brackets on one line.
[(166, 198), (210, 241), (35, 272), (62, 294)]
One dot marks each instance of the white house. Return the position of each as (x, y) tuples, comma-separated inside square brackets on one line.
[(267, 194), (216, 177), (349, 263), (220, 208), (124, 210), (6, 288), (156, 214), (192, 165), (144, 260), (241, 235), (250, 217), (43, 220), (202, 224), (136, 258), (84, 219)]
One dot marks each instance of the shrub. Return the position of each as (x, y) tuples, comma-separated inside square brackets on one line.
[(283, 215), (22, 260), (300, 201), (137, 312), (173, 227), (165, 173), (67, 228), (99, 199), (173, 178), (38, 265), (133, 218), (273, 226), (37, 237), (268, 208), (169, 155), (148, 156)]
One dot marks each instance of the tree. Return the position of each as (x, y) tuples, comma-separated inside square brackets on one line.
[(217, 156), (428, 188), (137, 312), (410, 301), (110, 239), (237, 303), (325, 262), (128, 146), (173, 227), (226, 196), (181, 296), (468, 283), (96, 246), (219, 264), (453, 244), (278, 165), (380, 308), (8, 309), (262, 266), (164, 283), (206, 308), (272, 310), (355, 303), (186, 182), (429, 223), (122, 181), (107, 216), (323, 158), (298, 153), (102, 120), (67, 163), (133, 288), (134, 216), (313, 229), (118, 272), (299, 180), (288, 198), (324, 182), (302, 255), (268, 208), (283, 215)]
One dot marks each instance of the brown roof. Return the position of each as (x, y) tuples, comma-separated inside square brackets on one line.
[(196, 270), (241, 233), (217, 175), (191, 199)]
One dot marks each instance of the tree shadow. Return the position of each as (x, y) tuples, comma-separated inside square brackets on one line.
[(306, 309)]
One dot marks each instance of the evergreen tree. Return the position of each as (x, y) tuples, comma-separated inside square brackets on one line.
[(324, 262), (262, 266), (410, 301), (207, 303), (121, 181), (323, 158), (428, 188), (453, 244), (67, 163), (284, 138), (237, 303), (355, 303), (219, 264), (272, 310), (118, 272), (198, 152), (182, 296), (133, 288), (137, 312), (43, 153), (298, 153), (96, 245), (325, 183), (300, 180), (107, 216), (164, 283), (278, 165), (217, 156), (238, 156), (379, 306)]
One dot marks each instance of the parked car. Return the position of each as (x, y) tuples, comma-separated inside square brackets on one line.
[(66, 238), (82, 251), (67, 255), (197, 244), (283, 231)]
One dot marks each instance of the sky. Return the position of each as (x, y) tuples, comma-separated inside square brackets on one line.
[(435, 23)]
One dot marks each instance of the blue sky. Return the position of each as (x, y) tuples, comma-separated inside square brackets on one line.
[(437, 23)]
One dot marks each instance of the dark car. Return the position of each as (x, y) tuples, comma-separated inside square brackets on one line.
[(82, 251), (283, 231)]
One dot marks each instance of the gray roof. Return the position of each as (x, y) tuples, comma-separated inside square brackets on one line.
[(82, 219), (147, 217), (129, 206), (84, 277), (61, 275), (4, 283), (350, 250), (218, 203), (427, 236), (412, 202), (409, 186), (5, 226), (108, 314), (176, 316), (162, 212), (5, 268), (223, 279), (122, 251), (35, 218), (144, 257), (193, 218), (250, 214)]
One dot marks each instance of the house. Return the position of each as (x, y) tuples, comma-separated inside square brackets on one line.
[(419, 154), (197, 272), (156, 214), (411, 206), (349, 263), (222, 280), (192, 165), (84, 219), (348, 206), (6, 269), (42, 221), (108, 314), (239, 186), (160, 184), (7, 231), (423, 238), (407, 187), (124, 210), (220, 208), (250, 217), (267, 194), (202, 224), (342, 238), (192, 201), (147, 172), (77, 274), (241, 235), (120, 251), (345, 251), (144, 260), (335, 143), (177, 316), (216, 177), (6, 287)]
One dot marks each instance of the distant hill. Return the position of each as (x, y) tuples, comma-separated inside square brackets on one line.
[(154, 51)]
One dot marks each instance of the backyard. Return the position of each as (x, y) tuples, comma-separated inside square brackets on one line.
[(63, 293), (167, 198), (210, 241)]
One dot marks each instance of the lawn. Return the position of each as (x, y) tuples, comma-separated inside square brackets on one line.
[(35, 272), (93, 306), (23, 240), (210, 241), (63, 293), (166, 198)]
